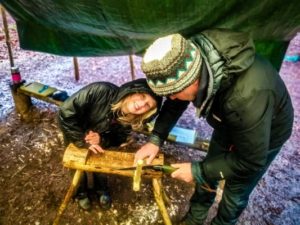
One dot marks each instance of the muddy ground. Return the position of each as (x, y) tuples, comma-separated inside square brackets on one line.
[(33, 181)]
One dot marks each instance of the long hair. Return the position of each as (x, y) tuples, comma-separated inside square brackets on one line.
[(135, 121)]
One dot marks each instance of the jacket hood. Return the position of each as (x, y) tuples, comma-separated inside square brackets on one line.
[(138, 86), (237, 48), (226, 54)]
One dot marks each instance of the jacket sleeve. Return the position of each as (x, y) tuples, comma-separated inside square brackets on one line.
[(168, 116), (75, 111), (115, 136), (249, 126)]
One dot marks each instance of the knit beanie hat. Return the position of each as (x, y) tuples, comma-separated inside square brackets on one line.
[(171, 64)]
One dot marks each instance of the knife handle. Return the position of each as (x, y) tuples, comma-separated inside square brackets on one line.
[(165, 168)]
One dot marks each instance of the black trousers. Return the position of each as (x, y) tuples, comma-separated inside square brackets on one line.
[(99, 183), (235, 195)]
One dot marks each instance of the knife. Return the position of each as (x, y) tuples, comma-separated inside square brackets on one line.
[(162, 168)]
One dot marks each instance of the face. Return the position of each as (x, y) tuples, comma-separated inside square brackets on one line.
[(187, 94), (138, 103)]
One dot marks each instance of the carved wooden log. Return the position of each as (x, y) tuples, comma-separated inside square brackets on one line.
[(108, 162)]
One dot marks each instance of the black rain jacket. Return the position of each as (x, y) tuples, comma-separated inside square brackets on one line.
[(90, 109), (246, 102)]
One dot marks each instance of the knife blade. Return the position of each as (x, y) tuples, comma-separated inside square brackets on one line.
[(163, 168)]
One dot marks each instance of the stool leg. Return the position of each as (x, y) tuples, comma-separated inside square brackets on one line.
[(159, 197), (166, 199), (72, 189)]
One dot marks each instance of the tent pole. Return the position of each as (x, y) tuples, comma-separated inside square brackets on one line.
[(76, 68), (22, 102), (11, 60), (131, 67)]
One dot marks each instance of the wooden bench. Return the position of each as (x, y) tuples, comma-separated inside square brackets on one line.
[(110, 162), (39, 91)]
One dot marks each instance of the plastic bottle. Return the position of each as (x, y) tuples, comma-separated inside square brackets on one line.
[(15, 75)]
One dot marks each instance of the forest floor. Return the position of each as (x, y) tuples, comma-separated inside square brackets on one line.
[(33, 181)]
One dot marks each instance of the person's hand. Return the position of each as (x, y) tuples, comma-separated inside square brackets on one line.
[(184, 172), (148, 151), (92, 138), (96, 149)]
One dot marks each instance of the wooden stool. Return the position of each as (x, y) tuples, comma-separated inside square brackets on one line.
[(110, 162)]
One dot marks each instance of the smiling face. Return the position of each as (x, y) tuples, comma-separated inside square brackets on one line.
[(138, 103)]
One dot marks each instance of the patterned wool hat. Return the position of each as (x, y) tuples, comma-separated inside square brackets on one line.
[(171, 64)]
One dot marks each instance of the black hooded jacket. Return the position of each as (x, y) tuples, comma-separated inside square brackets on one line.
[(246, 102), (90, 109)]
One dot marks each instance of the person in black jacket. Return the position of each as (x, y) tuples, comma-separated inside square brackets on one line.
[(241, 96), (101, 115)]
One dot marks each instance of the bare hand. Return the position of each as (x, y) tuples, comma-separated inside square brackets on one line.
[(184, 172), (148, 151), (96, 149), (92, 138)]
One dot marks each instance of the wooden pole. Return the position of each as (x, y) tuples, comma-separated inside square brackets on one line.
[(7, 38), (71, 191), (159, 197), (76, 68), (131, 67)]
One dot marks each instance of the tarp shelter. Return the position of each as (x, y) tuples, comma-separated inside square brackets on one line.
[(118, 27)]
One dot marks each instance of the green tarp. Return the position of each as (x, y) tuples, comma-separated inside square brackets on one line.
[(118, 27)]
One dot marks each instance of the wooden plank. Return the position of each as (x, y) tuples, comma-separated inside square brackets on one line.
[(43, 98), (38, 89)]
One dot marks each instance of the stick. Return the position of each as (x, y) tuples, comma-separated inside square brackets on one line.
[(71, 191), (131, 67), (76, 68), (137, 175), (7, 38), (159, 197), (68, 196)]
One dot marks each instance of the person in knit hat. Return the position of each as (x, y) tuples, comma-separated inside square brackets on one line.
[(241, 96)]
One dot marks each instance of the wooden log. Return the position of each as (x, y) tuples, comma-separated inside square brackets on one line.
[(108, 162)]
